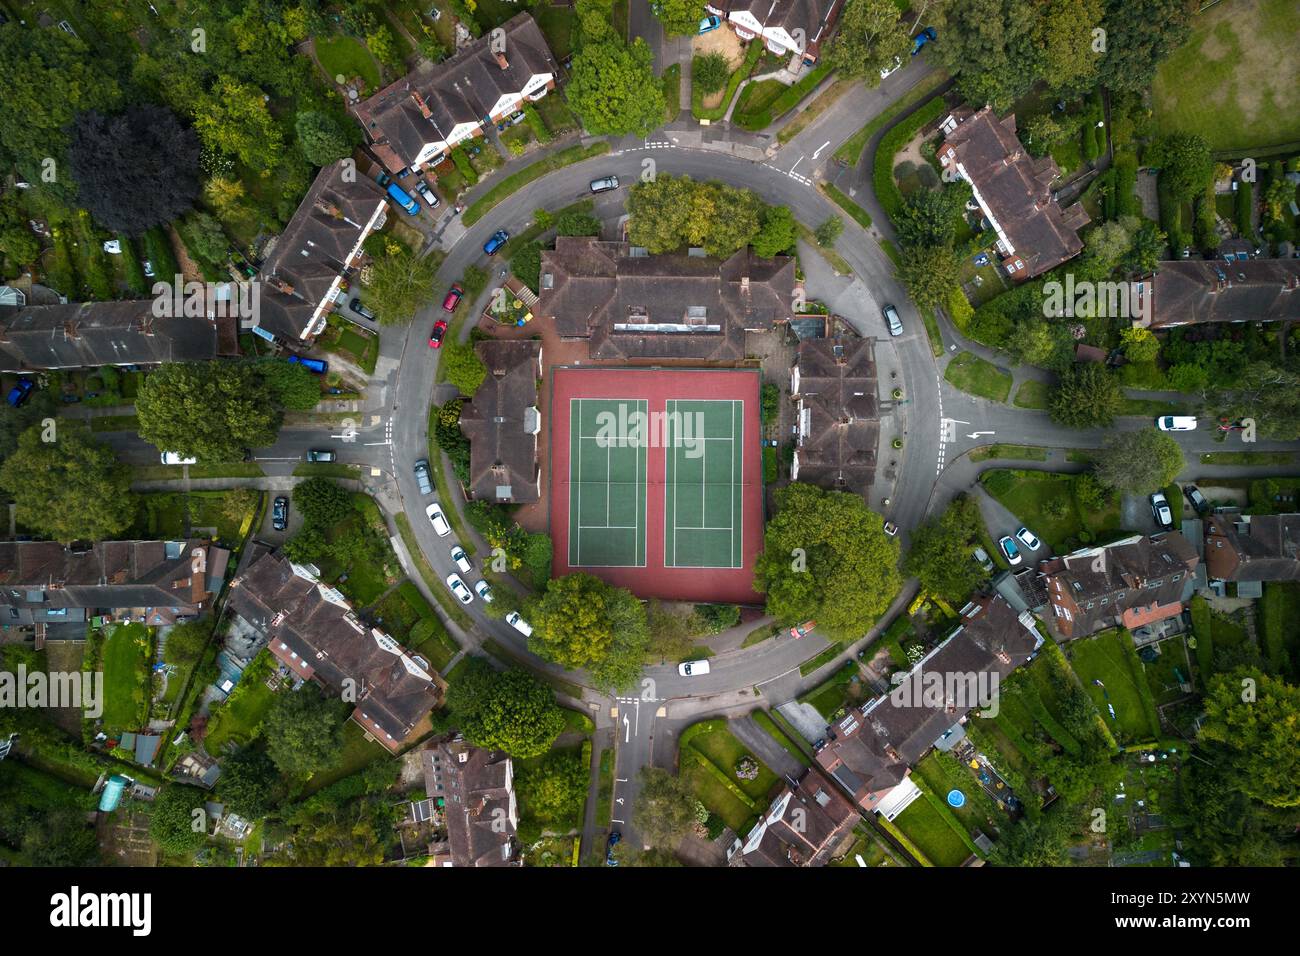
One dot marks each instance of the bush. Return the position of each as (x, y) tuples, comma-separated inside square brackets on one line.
[(1243, 205), (959, 308), (709, 73), (886, 189)]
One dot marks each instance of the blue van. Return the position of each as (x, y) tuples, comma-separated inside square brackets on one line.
[(310, 364), (403, 199)]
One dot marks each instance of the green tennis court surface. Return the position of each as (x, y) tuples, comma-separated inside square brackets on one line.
[(607, 487), (702, 484)]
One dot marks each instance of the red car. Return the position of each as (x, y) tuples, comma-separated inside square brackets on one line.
[(439, 330), (453, 298)]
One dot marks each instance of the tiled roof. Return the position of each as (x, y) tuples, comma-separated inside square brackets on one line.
[(1252, 290), (474, 789), (1253, 547), (802, 826), (501, 422), (665, 306), (837, 406)]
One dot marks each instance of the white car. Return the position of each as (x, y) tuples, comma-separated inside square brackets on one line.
[(174, 458), (1009, 550), (519, 624), (1028, 539), (483, 590), (439, 520), (458, 588), (423, 189), (1176, 423), (691, 668), (460, 559), (890, 69)]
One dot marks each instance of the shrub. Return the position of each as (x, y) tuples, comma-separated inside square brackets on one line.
[(709, 73)]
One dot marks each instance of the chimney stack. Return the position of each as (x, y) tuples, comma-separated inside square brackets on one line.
[(419, 101), (502, 61)]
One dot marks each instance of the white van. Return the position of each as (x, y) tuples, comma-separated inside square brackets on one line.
[(691, 668), (519, 624)]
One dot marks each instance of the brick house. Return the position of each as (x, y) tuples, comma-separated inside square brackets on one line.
[(784, 26), (473, 791), (833, 386), (803, 826), (1190, 291), (1252, 547), (502, 422)]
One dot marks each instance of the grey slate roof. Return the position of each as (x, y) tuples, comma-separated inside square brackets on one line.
[(802, 826), (88, 334), (837, 395), (1253, 547), (664, 306), (1253, 290), (498, 419), (475, 788)]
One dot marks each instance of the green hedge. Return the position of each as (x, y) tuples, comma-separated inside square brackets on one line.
[(788, 100), (513, 183), (725, 780), (887, 192), (860, 215), (765, 721), (716, 113), (1125, 189), (850, 151), (1202, 628)]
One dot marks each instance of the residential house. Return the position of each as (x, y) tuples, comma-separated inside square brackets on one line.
[(804, 826), (871, 751), (415, 122), (1013, 190), (837, 423), (502, 423), (307, 270), (785, 26), (1190, 291), (312, 630), (58, 589), (1131, 583), (91, 334), (634, 306), (1244, 548), (474, 791)]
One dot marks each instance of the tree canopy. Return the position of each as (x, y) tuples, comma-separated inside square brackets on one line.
[(670, 212), (134, 169), (613, 89), (870, 36), (1087, 394), (70, 488), (208, 410), (576, 623), (826, 557), (321, 137), (506, 710), (666, 809), (1256, 719), (1139, 462), (303, 731), (941, 555), (399, 283), (176, 819)]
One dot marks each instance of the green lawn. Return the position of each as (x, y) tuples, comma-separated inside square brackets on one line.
[(239, 717), (357, 753), (1033, 394), (933, 835), (942, 772), (1045, 503), (979, 377), (1279, 620), (1234, 81), (839, 690), (868, 847), (716, 797), (127, 656), (723, 750), (1102, 658), (345, 56)]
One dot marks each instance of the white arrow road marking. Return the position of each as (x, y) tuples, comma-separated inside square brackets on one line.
[(820, 148), (977, 434), (627, 729)]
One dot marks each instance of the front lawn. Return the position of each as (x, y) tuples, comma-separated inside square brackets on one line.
[(723, 750), (978, 376), (126, 653), (1045, 503)]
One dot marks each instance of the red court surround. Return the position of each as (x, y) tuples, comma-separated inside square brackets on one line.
[(657, 386)]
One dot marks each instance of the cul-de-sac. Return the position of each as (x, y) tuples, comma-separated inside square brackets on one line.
[(650, 433)]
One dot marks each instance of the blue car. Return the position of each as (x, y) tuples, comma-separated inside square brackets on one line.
[(18, 394), (499, 239), (921, 39), (709, 24), (609, 848)]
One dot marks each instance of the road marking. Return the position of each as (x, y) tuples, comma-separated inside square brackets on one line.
[(974, 435), (627, 730), (820, 148)]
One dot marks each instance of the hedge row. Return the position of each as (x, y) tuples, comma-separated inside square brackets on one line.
[(887, 192), (761, 119), (513, 183)]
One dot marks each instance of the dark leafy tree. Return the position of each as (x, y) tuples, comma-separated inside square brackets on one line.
[(666, 810), (208, 410), (709, 72), (248, 781), (1086, 395), (292, 386), (1185, 164), (1139, 462), (177, 822), (613, 88), (186, 642), (1139, 35), (321, 137), (508, 710), (135, 169), (323, 502), (870, 36), (303, 732), (941, 555), (778, 233)]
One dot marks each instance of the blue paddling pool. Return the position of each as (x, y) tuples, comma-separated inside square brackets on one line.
[(956, 798)]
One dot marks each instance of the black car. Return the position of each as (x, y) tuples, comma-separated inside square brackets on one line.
[(280, 513), (1197, 499), (609, 848), (361, 310)]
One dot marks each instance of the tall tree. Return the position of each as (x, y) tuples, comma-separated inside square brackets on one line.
[(303, 731), (930, 274), (136, 169), (777, 234), (400, 282), (1087, 394), (941, 555), (930, 217), (613, 88), (870, 37), (321, 137), (826, 557), (233, 119), (67, 486), (176, 819), (1139, 462), (291, 385), (1070, 47), (1265, 392), (576, 620), (993, 47), (506, 710), (1139, 35), (248, 781), (1256, 719), (680, 18), (208, 410), (665, 811), (1185, 164)]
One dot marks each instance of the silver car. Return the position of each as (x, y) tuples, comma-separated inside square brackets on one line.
[(604, 184), (892, 320)]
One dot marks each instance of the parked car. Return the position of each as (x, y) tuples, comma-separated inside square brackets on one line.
[(20, 392), (612, 842), (499, 239), (891, 529), (174, 458), (1009, 550), (439, 330), (519, 624), (403, 199), (982, 559), (921, 39), (1197, 499), (280, 513), (422, 476), (458, 588), (1161, 511), (1176, 423), (709, 24), (890, 69), (604, 184), (454, 295), (483, 590), (361, 310), (426, 193), (460, 559), (323, 455), (1028, 539), (691, 668), (438, 520), (892, 320)]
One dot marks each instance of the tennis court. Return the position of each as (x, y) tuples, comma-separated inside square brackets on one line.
[(607, 483), (702, 484)]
